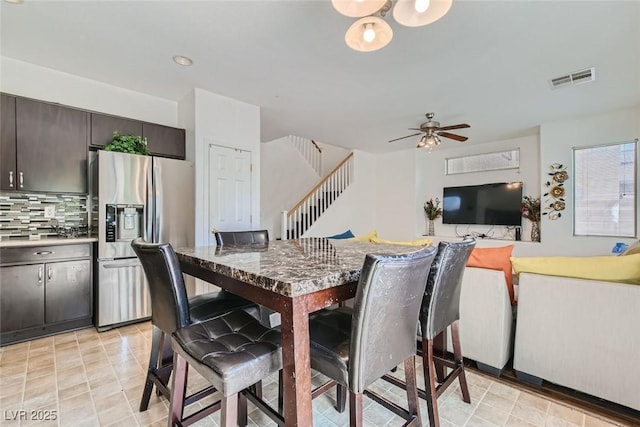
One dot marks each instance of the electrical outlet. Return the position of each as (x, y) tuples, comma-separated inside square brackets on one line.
[(49, 211)]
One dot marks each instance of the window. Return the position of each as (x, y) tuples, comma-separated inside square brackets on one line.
[(484, 162), (605, 190)]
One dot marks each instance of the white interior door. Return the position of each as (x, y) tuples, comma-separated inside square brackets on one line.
[(229, 189)]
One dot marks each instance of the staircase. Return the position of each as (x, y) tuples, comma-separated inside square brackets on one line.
[(296, 221), (310, 150)]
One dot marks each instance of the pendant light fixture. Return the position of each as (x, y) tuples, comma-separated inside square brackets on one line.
[(368, 34), (371, 33), (415, 13)]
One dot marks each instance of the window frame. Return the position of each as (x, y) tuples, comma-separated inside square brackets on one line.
[(636, 156), (512, 150)]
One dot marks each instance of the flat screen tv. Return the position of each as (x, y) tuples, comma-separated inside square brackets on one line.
[(488, 204)]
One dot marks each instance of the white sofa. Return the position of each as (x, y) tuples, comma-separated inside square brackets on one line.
[(581, 334), (486, 319)]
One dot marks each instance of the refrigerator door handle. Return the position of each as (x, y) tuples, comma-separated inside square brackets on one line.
[(135, 263), (151, 208), (158, 200)]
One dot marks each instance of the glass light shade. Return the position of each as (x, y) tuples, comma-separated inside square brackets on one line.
[(421, 5), (404, 12), (355, 34), (358, 8), (432, 140)]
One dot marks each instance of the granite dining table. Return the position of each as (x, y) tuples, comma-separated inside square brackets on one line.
[(294, 278)]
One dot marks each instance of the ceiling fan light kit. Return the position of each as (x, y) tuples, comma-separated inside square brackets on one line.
[(371, 33), (433, 131)]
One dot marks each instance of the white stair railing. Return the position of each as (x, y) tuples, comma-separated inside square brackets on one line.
[(310, 150), (299, 218)]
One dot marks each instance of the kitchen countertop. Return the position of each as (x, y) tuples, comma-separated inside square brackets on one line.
[(51, 240)]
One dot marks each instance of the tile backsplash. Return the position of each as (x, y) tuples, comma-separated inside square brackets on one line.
[(22, 215)]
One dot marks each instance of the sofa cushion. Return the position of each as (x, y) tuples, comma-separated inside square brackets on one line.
[(418, 242), (495, 259), (622, 269), (633, 249), (345, 235), (366, 237)]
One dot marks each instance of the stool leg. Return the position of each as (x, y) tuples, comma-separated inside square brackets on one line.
[(430, 382), (178, 389), (166, 359), (440, 349), (242, 410), (154, 360), (229, 411), (457, 356), (341, 398), (280, 392), (355, 409), (412, 388)]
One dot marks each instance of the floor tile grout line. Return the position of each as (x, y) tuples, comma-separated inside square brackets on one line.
[(118, 379)]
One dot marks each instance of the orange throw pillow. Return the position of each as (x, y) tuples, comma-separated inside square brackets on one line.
[(495, 259)]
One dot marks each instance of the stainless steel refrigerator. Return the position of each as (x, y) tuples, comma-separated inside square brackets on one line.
[(136, 196)]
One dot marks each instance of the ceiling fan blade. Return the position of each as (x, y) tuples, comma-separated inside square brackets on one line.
[(408, 136), (460, 126), (453, 136)]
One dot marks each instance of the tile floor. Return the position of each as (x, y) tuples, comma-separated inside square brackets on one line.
[(86, 378)]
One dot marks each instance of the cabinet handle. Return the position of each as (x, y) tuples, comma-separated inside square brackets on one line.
[(11, 179), (21, 180), (40, 274), (44, 253), (49, 273)]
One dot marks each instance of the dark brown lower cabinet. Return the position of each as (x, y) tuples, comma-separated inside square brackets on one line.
[(22, 297), (42, 298)]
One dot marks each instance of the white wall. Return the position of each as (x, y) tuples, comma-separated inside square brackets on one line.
[(222, 121), (286, 177), (45, 84), (431, 179), (187, 120), (556, 142), (395, 180), (355, 208), (331, 156)]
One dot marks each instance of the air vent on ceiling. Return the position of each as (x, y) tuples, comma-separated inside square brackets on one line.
[(583, 76)]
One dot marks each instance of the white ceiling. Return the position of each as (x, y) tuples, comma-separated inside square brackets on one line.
[(486, 63)]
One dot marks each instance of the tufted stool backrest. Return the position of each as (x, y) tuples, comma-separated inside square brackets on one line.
[(241, 237), (441, 303), (385, 314), (169, 301)]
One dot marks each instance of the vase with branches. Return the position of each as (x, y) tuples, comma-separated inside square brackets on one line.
[(530, 209), (433, 211)]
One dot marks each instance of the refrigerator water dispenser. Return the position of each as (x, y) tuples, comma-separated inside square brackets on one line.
[(124, 222)]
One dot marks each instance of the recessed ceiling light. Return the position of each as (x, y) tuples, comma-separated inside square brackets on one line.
[(183, 60)]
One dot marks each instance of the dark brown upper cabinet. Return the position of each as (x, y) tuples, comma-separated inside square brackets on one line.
[(164, 140), (8, 174), (103, 126), (51, 147)]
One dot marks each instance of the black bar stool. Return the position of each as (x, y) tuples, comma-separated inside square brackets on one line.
[(233, 352), (171, 309), (355, 347), (440, 309)]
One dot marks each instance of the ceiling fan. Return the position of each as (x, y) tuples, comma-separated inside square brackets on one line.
[(433, 131)]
